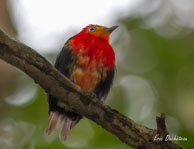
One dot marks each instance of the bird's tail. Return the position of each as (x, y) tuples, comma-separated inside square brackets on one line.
[(66, 123)]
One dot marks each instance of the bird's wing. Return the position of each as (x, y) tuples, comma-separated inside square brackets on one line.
[(66, 60)]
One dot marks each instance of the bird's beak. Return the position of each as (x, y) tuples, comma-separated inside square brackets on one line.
[(111, 29)]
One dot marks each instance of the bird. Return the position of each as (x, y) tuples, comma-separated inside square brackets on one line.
[(88, 60)]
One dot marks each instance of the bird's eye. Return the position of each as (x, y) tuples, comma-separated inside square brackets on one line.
[(91, 29)]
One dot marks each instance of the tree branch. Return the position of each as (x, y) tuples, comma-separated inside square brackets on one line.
[(74, 99)]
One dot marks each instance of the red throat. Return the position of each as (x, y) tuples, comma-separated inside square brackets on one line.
[(97, 49)]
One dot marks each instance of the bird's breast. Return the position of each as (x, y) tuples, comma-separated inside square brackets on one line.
[(94, 58), (88, 72)]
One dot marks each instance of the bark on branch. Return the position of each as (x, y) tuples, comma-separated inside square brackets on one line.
[(73, 98)]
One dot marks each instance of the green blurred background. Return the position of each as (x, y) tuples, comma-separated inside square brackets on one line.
[(154, 48)]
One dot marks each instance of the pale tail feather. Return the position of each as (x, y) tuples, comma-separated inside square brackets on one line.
[(64, 121), (53, 118), (66, 127)]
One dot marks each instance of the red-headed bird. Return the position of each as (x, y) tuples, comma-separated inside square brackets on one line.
[(89, 61)]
